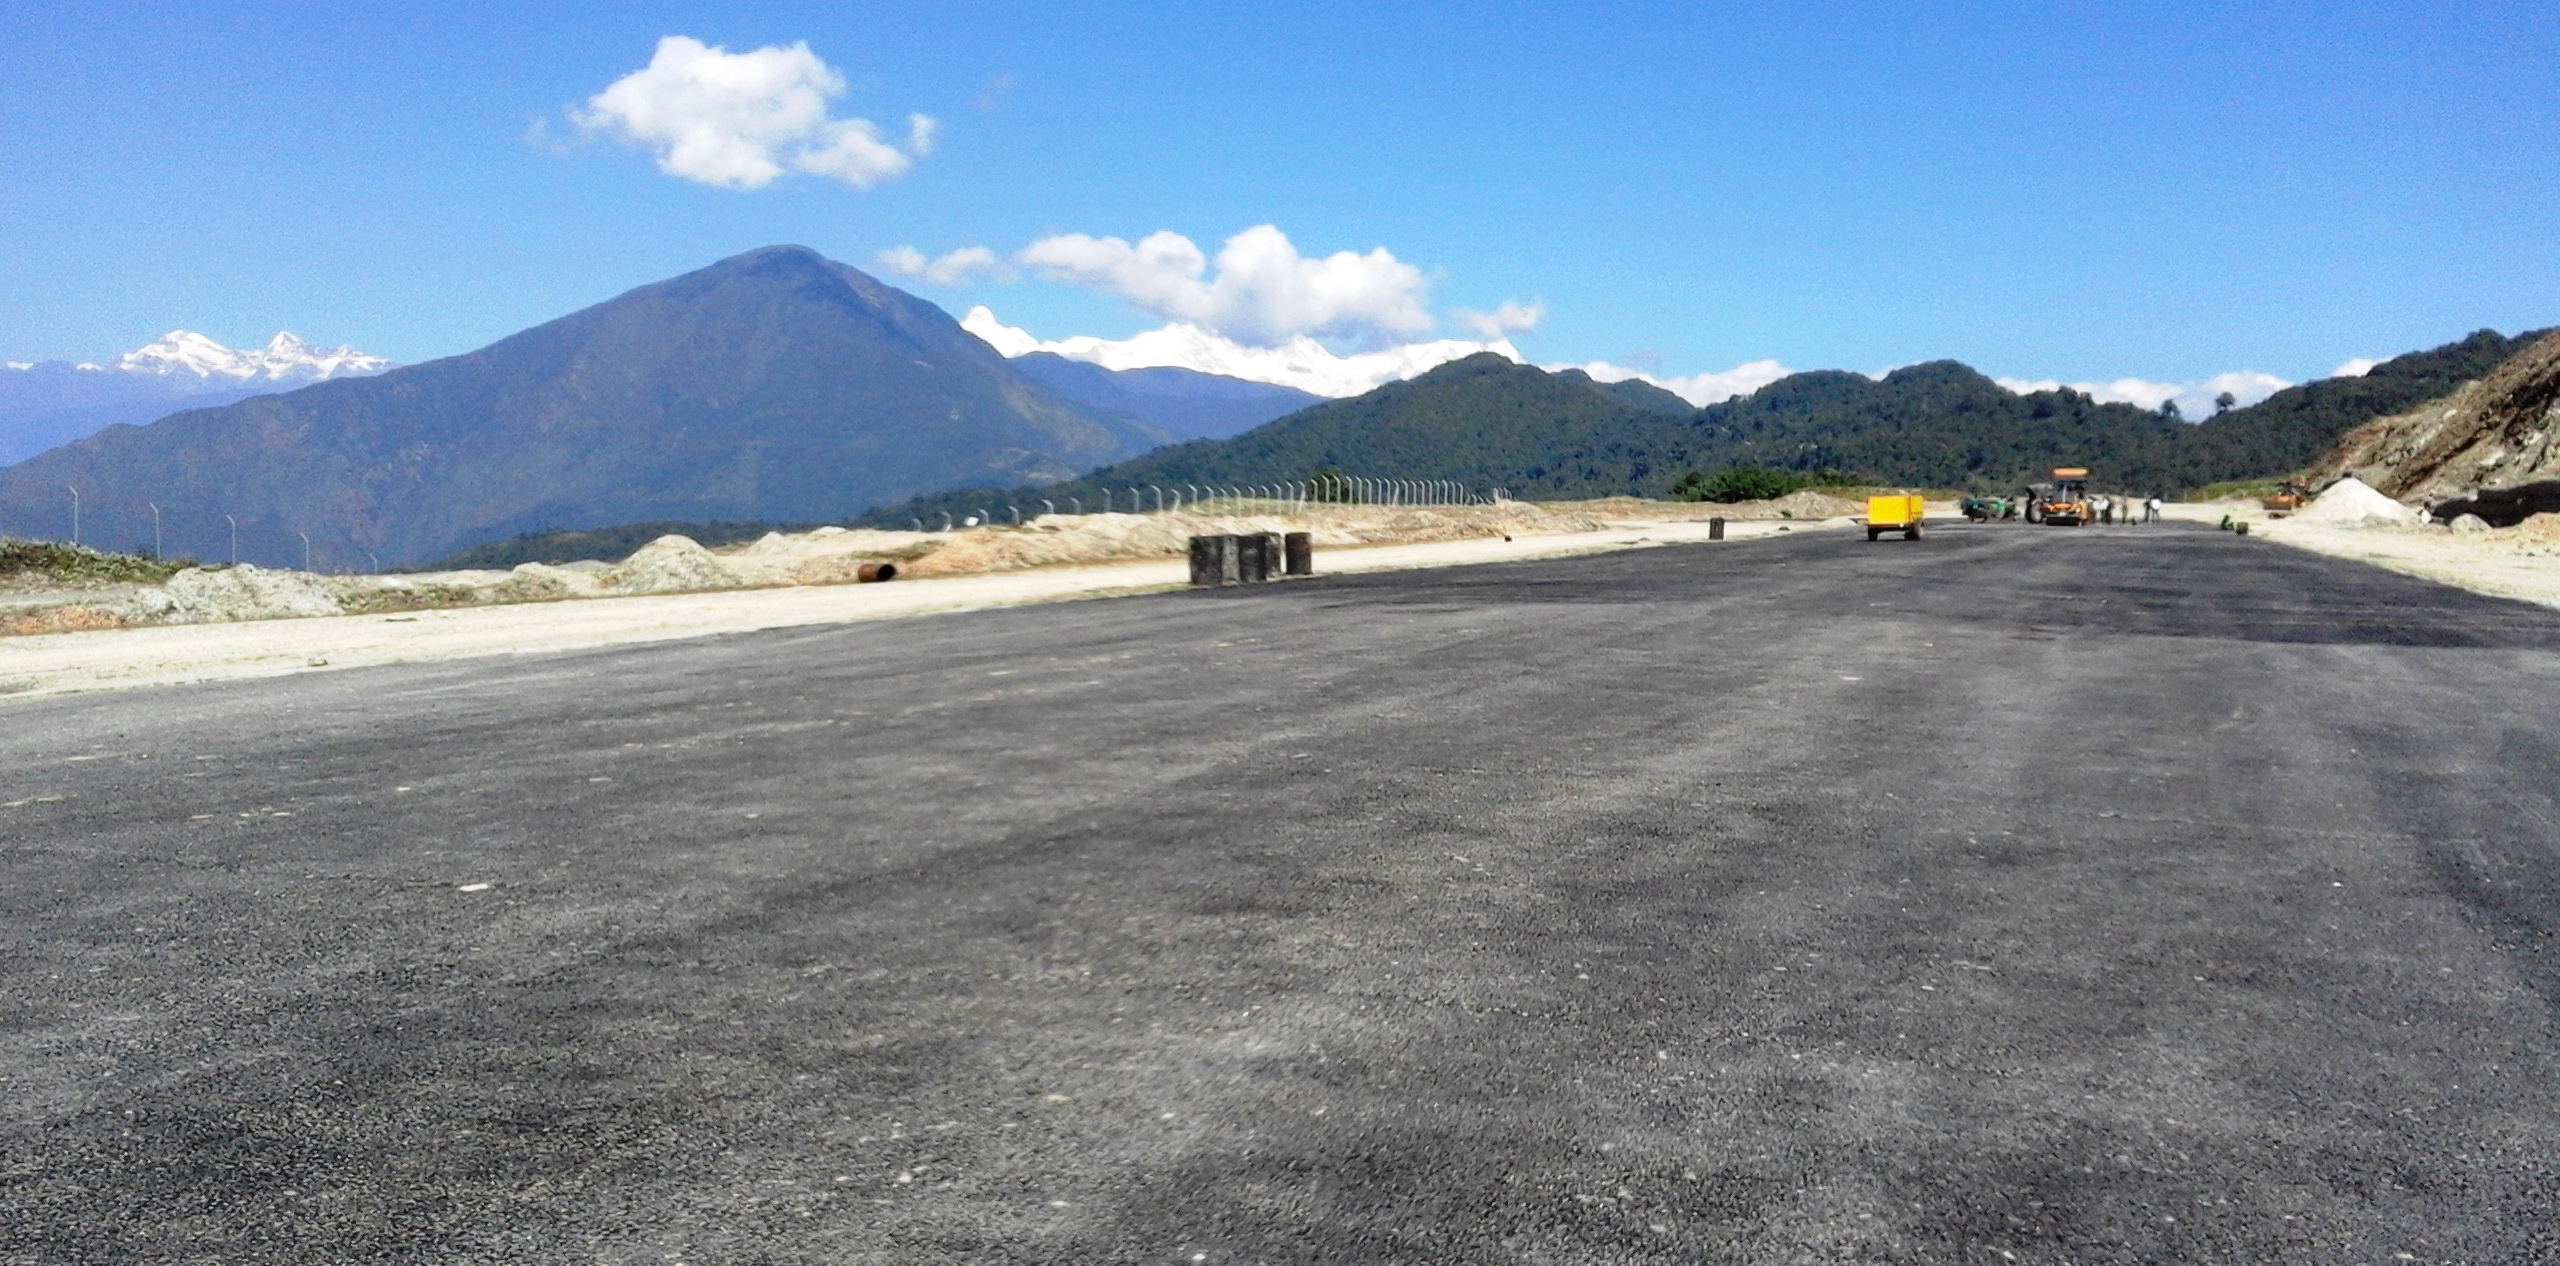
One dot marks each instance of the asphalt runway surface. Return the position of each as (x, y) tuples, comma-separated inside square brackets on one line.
[(2019, 894)]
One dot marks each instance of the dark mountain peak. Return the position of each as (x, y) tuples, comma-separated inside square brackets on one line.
[(776, 266), (784, 269), (1479, 365), (783, 251), (1812, 388), (775, 385), (1941, 373)]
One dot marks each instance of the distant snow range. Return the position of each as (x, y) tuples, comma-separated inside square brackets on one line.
[(48, 403)]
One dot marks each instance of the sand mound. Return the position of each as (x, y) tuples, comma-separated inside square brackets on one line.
[(2351, 502), (669, 564), (2540, 529), (1808, 505), (536, 581), (247, 592), (71, 619)]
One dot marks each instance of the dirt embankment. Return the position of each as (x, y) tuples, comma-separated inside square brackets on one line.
[(2499, 433), (828, 556)]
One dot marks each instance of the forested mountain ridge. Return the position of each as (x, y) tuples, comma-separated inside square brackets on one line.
[(1493, 423), (2294, 428)]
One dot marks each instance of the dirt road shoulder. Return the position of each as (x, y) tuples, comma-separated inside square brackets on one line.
[(65, 663)]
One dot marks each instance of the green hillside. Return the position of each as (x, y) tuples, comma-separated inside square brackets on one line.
[(2297, 426), (1492, 423)]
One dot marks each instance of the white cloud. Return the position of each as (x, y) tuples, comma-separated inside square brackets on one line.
[(742, 120), (2355, 367), (2246, 388), (2195, 400), (1510, 318), (1299, 362), (1264, 293), (901, 261), (2133, 391), (991, 98), (1697, 389), (954, 269), (1308, 365)]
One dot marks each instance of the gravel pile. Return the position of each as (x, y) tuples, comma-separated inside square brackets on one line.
[(669, 564), (2351, 502)]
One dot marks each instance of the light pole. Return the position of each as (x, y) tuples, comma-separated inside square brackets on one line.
[(75, 512), (156, 554), (306, 549), (375, 559), (235, 539)]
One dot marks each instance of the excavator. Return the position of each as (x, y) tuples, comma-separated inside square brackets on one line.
[(2065, 501)]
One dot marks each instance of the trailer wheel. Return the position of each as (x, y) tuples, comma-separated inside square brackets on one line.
[(1873, 533), (1911, 533)]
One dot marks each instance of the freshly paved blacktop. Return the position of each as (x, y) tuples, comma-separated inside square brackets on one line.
[(2029, 894)]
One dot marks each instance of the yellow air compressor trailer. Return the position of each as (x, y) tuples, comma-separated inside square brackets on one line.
[(1895, 512)]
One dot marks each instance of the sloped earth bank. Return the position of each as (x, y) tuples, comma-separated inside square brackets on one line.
[(833, 555), (2500, 432), (69, 661)]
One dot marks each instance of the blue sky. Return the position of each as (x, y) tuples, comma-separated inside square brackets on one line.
[(2077, 191)]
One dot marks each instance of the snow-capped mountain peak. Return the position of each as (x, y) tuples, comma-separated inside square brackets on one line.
[(285, 358)]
